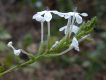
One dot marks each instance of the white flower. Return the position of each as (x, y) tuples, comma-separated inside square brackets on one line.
[(38, 18), (75, 44), (46, 15), (55, 44), (74, 29), (16, 51), (59, 13), (10, 44), (78, 16)]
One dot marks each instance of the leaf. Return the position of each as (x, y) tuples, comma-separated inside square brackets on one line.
[(86, 28)]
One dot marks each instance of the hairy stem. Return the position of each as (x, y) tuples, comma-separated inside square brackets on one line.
[(38, 57), (21, 65), (15, 67), (65, 51)]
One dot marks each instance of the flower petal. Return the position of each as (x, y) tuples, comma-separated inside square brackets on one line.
[(75, 44), (84, 14), (17, 52), (62, 28), (47, 16), (75, 29), (58, 13), (67, 15), (38, 18), (9, 44), (42, 12), (78, 18)]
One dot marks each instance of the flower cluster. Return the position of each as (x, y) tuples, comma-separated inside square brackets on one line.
[(73, 18)]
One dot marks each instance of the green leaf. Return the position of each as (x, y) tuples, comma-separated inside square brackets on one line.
[(86, 28)]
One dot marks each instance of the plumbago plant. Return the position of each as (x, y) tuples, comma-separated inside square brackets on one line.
[(73, 36)]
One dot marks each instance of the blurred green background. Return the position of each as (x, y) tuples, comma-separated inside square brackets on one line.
[(16, 24)]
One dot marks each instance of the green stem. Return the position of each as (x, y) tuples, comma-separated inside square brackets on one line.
[(36, 58), (29, 54), (21, 65)]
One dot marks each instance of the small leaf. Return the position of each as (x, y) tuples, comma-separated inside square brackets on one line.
[(86, 28)]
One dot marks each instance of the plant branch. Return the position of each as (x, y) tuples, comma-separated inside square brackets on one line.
[(85, 29), (20, 65)]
